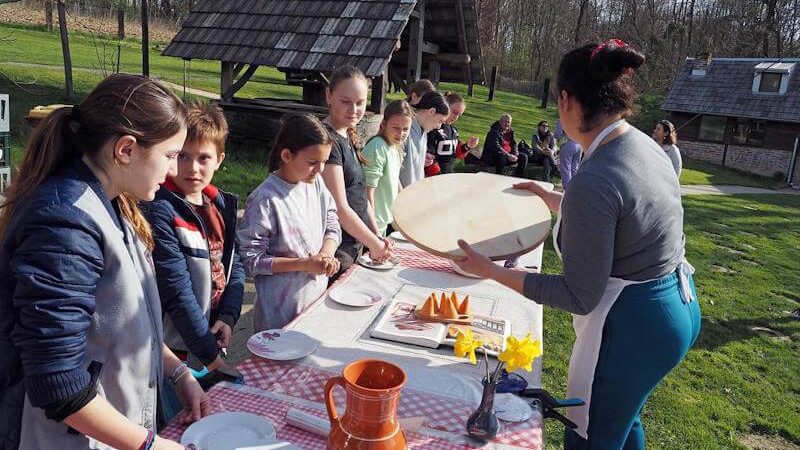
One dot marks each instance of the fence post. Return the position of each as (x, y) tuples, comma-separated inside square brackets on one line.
[(546, 92), (493, 83)]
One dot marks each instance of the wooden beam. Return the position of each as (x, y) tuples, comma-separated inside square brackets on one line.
[(430, 48), (234, 88), (462, 43), (448, 58), (416, 40), (62, 25), (237, 68), (226, 79), (378, 96)]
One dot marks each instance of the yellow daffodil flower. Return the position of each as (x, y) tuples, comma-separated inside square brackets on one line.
[(520, 353), (466, 345)]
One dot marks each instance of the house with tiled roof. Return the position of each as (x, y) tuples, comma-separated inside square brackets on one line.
[(742, 113)]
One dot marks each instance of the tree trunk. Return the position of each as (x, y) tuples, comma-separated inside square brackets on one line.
[(121, 22), (48, 14), (579, 22), (62, 25)]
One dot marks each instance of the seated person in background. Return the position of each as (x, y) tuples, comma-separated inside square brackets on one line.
[(200, 277), (500, 148), (544, 147)]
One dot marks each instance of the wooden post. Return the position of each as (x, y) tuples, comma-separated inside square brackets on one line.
[(225, 80), (145, 39), (416, 40), (378, 97), (546, 92), (62, 25), (493, 83), (470, 89), (462, 44), (120, 22), (434, 71), (48, 14)]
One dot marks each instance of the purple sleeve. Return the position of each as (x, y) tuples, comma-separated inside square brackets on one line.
[(255, 231)]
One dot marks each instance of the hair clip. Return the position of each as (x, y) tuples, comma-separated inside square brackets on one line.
[(618, 43)]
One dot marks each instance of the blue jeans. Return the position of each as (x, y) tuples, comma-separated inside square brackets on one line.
[(647, 333)]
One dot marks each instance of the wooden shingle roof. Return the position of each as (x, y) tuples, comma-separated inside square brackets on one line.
[(314, 35), (726, 89)]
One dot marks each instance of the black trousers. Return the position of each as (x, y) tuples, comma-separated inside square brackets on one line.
[(502, 162)]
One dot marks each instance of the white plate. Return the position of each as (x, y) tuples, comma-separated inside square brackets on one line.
[(510, 408), (354, 296), (397, 236), (230, 431), (281, 345), (367, 262)]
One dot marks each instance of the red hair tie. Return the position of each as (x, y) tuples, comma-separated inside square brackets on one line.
[(618, 43)]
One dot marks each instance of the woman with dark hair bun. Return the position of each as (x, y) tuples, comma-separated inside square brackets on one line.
[(620, 236)]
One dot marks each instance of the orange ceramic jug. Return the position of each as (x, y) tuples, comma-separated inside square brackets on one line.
[(370, 420)]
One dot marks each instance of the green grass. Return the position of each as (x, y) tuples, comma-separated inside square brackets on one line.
[(735, 380), (700, 172)]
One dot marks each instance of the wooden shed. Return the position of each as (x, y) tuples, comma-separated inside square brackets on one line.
[(397, 40)]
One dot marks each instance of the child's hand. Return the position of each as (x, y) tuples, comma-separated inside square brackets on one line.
[(321, 264), (383, 252), (223, 332)]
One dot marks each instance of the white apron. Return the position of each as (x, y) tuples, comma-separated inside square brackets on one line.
[(589, 328)]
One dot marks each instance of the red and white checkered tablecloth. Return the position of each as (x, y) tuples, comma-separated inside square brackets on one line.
[(307, 383), (420, 259)]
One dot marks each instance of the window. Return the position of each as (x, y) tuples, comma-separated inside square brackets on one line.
[(712, 128), (747, 131), (770, 82)]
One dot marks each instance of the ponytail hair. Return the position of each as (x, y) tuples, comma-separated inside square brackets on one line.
[(297, 132), (453, 97), (120, 105)]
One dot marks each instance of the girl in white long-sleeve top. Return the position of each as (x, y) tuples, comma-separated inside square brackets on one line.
[(290, 229)]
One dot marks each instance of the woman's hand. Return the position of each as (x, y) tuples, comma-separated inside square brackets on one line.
[(223, 333), (195, 402), (474, 262), (551, 198)]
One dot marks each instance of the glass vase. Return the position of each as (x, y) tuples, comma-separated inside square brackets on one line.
[(482, 425)]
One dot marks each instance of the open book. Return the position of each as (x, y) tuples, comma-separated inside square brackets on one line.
[(398, 323)]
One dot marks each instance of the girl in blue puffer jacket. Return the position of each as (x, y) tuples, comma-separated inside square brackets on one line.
[(80, 320)]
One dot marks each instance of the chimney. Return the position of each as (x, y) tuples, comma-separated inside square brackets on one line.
[(701, 63)]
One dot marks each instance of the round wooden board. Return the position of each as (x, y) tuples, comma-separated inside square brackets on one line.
[(481, 208)]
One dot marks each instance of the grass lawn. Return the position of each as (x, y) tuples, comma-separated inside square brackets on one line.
[(742, 379), (700, 172)]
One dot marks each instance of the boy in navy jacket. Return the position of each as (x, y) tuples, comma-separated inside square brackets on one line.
[(200, 277)]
